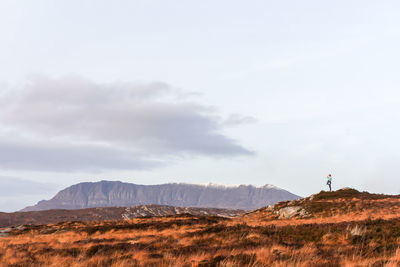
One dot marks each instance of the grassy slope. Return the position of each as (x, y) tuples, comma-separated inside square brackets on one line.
[(346, 228)]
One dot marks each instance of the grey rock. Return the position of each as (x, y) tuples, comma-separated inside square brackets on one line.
[(357, 231), (292, 211), (20, 227), (270, 207), (6, 230)]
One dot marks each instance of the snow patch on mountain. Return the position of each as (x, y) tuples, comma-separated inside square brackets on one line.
[(221, 185)]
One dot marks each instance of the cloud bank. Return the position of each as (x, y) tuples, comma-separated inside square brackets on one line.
[(71, 124), (17, 193), (14, 186)]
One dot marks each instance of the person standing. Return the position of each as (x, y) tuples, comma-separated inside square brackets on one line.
[(329, 182)]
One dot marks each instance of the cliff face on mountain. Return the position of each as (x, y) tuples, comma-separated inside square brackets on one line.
[(113, 193)]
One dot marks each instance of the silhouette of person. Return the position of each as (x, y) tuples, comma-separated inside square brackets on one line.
[(329, 182)]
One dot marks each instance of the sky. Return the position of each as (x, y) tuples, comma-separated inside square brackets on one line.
[(231, 92)]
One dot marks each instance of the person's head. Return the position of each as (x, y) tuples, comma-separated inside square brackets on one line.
[(329, 175)]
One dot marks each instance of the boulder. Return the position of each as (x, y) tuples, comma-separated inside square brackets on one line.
[(293, 211), (357, 231)]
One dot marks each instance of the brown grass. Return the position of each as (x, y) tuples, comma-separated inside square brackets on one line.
[(257, 239)]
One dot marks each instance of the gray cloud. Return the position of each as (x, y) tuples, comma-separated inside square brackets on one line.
[(78, 124), (41, 156), (14, 186), (17, 193), (237, 119)]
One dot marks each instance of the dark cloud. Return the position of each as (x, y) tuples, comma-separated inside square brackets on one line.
[(82, 125)]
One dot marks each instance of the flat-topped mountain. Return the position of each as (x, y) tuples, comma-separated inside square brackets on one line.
[(119, 194)]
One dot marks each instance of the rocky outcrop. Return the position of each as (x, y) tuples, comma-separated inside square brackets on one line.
[(118, 194), (293, 211)]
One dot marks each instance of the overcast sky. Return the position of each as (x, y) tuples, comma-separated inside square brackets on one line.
[(236, 92)]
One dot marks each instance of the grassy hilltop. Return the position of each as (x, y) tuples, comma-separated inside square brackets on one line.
[(341, 228)]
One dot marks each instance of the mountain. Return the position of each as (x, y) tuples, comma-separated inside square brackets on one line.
[(107, 213), (118, 194)]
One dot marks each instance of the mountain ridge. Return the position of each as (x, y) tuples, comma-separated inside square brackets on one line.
[(120, 194)]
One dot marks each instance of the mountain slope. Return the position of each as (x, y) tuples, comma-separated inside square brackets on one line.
[(118, 194)]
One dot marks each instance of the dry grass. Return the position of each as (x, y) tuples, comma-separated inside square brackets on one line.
[(218, 243), (253, 240)]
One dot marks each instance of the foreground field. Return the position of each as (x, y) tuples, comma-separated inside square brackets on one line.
[(335, 229)]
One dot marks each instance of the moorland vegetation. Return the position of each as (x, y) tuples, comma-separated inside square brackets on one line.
[(342, 228)]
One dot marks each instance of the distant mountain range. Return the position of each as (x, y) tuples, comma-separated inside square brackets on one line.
[(106, 213), (119, 194)]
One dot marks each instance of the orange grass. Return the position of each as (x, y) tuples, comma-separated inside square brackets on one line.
[(256, 239)]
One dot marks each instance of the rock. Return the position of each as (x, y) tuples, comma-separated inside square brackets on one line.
[(303, 213), (293, 211), (357, 231), (6, 230), (270, 207), (20, 227)]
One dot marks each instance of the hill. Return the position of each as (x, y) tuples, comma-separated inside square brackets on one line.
[(342, 228), (342, 205), (107, 213), (118, 194)]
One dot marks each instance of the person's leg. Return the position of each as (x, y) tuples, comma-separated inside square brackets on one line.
[(330, 188)]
